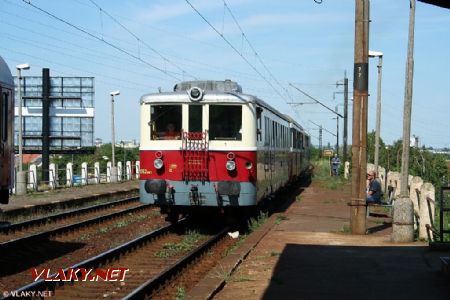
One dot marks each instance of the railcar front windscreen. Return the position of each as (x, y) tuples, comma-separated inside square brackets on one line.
[(165, 122), (225, 122)]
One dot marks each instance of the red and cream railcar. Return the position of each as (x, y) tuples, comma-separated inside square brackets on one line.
[(209, 145), (6, 131)]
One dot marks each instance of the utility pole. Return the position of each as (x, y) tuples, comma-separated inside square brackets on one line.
[(378, 115), (345, 134), (345, 116), (360, 97), (45, 124), (337, 132), (403, 218), (320, 140)]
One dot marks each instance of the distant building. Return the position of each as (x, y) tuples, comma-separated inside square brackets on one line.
[(128, 144), (414, 141), (98, 142)]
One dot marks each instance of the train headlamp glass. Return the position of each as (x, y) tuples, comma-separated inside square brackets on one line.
[(231, 165), (248, 165), (158, 163)]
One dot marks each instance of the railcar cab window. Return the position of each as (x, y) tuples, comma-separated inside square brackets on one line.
[(165, 122), (225, 122), (195, 118)]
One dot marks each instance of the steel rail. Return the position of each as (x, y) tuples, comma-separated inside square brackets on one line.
[(53, 218), (93, 262), (7, 246), (147, 288)]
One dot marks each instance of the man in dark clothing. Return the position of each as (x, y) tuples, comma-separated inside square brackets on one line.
[(373, 188)]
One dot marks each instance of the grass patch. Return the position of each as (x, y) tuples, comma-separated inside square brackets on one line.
[(280, 218), (322, 174), (222, 273), (274, 253), (345, 229), (187, 244), (254, 224), (180, 293)]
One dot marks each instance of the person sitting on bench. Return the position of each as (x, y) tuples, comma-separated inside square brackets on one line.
[(373, 189)]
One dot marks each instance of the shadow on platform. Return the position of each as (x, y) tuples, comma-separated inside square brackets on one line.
[(357, 272)]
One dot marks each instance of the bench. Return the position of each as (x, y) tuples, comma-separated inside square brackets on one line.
[(388, 204)]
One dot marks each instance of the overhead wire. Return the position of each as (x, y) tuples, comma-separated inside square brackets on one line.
[(234, 48), (101, 40), (138, 39), (254, 51)]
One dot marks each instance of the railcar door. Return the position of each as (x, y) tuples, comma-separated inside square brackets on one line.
[(6, 144)]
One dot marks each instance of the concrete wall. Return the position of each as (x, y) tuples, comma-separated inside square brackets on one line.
[(419, 192)]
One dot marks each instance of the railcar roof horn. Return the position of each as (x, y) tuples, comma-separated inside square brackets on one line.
[(195, 94)]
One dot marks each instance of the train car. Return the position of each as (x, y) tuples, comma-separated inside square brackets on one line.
[(6, 132), (208, 145)]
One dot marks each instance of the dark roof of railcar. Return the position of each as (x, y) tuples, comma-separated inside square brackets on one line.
[(5, 74)]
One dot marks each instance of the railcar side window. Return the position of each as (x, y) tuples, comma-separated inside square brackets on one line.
[(4, 114), (195, 118), (165, 122), (225, 122)]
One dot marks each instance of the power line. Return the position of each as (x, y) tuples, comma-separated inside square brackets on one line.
[(138, 39), (253, 49), (234, 48), (335, 112), (100, 39)]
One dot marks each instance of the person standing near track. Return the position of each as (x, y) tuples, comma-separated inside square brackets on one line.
[(335, 163)]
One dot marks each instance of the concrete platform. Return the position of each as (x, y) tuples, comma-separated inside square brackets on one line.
[(310, 254)]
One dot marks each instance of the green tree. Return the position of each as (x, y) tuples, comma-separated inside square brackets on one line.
[(101, 154)]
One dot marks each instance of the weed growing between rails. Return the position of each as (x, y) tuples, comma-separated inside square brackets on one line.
[(321, 174)]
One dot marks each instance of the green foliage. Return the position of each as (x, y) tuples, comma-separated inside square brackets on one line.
[(99, 154), (315, 153), (254, 224), (422, 162), (180, 293), (187, 244), (280, 218), (322, 174)]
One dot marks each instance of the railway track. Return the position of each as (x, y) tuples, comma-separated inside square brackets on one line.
[(36, 224), (60, 230), (149, 268)]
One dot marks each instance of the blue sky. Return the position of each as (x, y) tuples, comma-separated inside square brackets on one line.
[(307, 44)]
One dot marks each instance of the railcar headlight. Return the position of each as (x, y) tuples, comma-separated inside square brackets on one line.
[(195, 94), (231, 165), (248, 165), (158, 163)]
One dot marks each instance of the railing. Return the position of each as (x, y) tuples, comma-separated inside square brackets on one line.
[(442, 210), (66, 176), (432, 232)]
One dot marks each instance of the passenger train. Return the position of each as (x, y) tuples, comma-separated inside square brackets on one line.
[(207, 145), (6, 131)]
